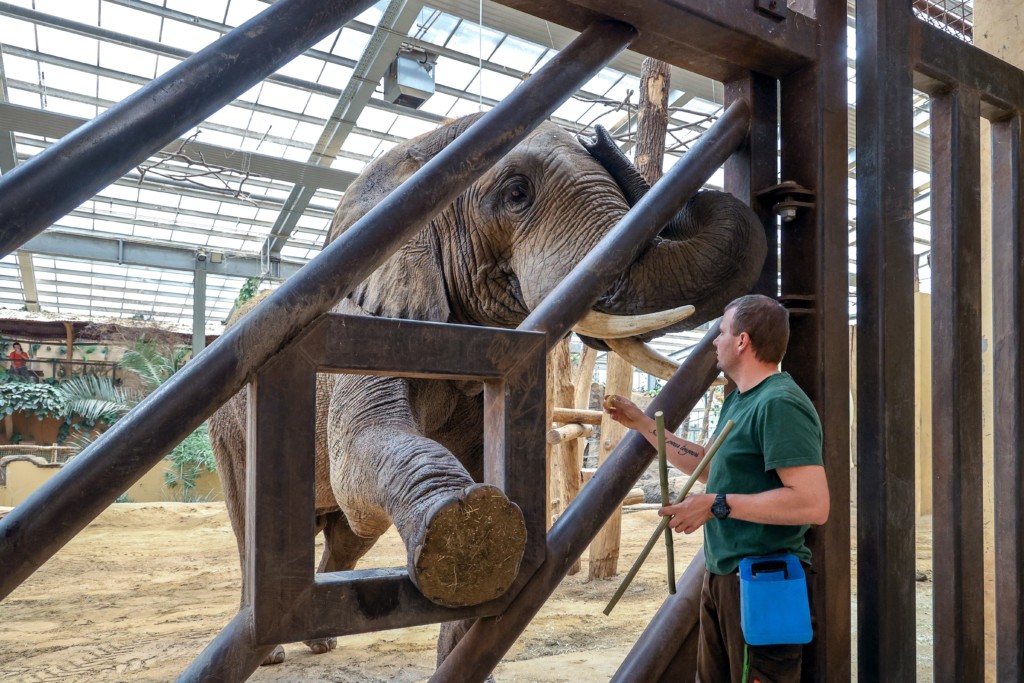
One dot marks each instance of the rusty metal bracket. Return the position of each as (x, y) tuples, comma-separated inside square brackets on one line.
[(773, 9), (787, 197)]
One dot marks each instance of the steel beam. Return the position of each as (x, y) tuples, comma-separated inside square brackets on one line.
[(151, 255), (1008, 407), (198, 310), (886, 609), (957, 532), (59, 509), (50, 124), (720, 39), (942, 60), (814, 285)]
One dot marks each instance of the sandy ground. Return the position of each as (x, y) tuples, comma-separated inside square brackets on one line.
[(142, 590)]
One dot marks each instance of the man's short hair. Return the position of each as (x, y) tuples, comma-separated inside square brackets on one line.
[(765, 321)]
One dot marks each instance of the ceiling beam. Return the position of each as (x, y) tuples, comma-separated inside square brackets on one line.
[(50, 124), (380, 51), (151, 255), (28, 281)]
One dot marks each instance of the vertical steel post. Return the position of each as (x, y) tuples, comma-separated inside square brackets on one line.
[(1008, 412), (957, 531), (886, 622), (814, 279)]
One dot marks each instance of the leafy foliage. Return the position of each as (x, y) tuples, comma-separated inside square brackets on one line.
[(41, 400), (248, 291), (96, 398), (190, 459), (153, 365)]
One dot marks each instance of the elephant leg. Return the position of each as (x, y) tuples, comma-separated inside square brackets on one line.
[(342, 549), (464, 540), (450, 635)]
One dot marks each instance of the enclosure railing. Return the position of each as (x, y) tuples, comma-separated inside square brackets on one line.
[(897, 53), (40, 369)]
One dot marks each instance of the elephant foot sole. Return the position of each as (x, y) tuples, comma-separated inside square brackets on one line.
[(471, 550), (321, 645), (276, 656)]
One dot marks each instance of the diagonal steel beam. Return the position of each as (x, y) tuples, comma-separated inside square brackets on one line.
[(380, 51)]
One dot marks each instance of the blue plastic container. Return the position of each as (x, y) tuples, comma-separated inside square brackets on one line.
[(773, 601)]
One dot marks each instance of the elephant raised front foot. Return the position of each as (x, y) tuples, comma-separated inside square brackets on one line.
[(469, 547)]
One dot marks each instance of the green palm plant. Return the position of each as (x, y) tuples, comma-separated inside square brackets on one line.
[(96, 398), (153, 366)]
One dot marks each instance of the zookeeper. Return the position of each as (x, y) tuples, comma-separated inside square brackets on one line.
[(765, 486)]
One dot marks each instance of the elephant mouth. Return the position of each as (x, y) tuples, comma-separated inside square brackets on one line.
[(620, 332)]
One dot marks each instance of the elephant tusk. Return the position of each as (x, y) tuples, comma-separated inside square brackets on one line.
[(643, 357), (604, 326)]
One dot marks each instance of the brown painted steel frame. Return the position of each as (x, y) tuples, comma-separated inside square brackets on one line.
[(287, 600), (966, 84)]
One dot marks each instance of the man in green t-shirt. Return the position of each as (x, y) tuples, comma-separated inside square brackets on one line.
[(765, 485)]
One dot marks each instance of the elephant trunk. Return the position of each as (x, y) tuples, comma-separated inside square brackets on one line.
[(715, 255)]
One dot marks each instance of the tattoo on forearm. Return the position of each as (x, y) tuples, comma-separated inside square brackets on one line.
[(681, 447)]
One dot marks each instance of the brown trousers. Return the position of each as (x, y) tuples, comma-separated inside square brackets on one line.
[(720, 651)]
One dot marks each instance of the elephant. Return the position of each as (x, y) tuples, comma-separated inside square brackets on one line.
[(409, 451)]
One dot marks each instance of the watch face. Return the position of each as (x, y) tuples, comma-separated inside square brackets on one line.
[(720, 508)]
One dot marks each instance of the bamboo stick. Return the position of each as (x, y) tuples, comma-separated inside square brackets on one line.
[(670, 556), (665, 520)]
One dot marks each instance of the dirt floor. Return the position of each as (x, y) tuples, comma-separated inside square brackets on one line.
[(140, 592)]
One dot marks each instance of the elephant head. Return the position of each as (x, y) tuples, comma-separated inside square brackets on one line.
[(492, 256)]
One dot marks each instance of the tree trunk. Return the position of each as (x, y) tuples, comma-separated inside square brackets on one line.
[(604, 550), (584, 379), (652, 119)]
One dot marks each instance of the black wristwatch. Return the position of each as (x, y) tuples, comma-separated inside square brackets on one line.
[(720, 509)]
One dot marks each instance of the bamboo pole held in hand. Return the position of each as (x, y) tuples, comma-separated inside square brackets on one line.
[(664, 520), (670, 556)]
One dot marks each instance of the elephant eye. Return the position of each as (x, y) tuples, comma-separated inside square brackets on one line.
[(518, 196)]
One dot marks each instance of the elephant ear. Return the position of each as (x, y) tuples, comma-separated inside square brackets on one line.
[(410, 284)]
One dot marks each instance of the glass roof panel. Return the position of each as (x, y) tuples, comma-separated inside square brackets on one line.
[(517, 54), (434, 26), (130, 21)]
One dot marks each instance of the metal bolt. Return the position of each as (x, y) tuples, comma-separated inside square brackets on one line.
[(788, 213)]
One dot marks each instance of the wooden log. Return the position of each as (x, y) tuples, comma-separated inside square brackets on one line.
[(571, 415), (634, 497), (559, 472), (569, 432), (604, 550), (584, 378)]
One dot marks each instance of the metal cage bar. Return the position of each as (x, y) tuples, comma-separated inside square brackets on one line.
[(886, 622), (1008, 404), (957, 533)]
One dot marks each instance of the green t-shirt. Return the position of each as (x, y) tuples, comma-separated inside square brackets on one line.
[(776, 426)]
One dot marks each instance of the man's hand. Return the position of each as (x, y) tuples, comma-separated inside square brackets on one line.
[(690, 514), (625, 412)]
